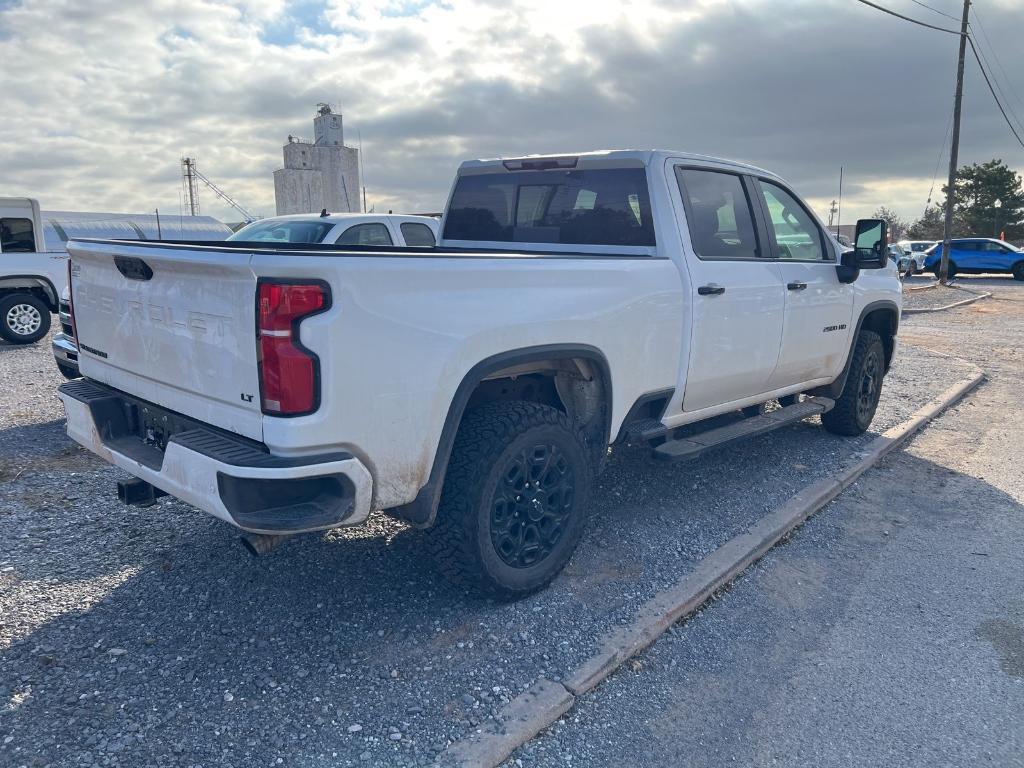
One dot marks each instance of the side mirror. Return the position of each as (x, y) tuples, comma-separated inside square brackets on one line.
[(871, 245)]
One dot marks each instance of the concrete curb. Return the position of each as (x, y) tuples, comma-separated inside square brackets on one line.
[(543, 703), (961, 303)]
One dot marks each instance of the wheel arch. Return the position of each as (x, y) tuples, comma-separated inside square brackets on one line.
[(882, 317), (543, 360), (37, 284)]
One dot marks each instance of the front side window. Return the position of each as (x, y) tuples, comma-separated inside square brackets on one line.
[(796, 233), (608, 206), (417, 234), (283, 232), (17, 236), (718, 212), (365, 234)]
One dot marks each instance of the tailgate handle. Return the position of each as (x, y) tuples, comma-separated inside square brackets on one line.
[(133, 268)]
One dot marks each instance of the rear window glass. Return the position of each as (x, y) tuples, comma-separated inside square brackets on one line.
[(17, 235), (284, 232), (365, 234), (592, 207), (417, 234)]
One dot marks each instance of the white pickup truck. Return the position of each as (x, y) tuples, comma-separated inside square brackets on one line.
[(572, 302)]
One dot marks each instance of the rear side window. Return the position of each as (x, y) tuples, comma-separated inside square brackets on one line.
[(417, 234), (365, 234), (17, 236), (718, 212), (609, 206)]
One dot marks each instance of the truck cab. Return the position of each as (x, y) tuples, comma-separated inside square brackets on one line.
[(31, 278)]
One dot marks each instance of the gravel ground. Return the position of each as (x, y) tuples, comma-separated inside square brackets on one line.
[(889, 630), (148, 637), (939, 296)]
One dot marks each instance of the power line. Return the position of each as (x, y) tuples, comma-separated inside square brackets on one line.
[(993, 92), (938, 162), (883, 9), (936, 10), (999, 88), (995, 55)]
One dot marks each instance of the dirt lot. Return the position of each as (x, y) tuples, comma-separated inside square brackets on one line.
[(148, 637)]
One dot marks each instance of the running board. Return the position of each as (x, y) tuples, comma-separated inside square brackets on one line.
[(692, 446)]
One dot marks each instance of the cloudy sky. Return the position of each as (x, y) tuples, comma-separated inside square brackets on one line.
[(101, 98)]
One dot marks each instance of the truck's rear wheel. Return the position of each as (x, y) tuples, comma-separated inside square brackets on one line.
[(856, 406), (24, 318), (514, 499)]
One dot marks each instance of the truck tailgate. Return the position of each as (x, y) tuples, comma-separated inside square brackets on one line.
[(171, 325)]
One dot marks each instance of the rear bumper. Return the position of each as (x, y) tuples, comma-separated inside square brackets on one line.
[(234, 479)]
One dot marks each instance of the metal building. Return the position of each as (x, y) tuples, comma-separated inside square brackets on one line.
[(61, 226), (319, 174)]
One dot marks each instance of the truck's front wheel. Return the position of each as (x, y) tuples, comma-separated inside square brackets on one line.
[(514, 499), (856, 406), (24, 318)]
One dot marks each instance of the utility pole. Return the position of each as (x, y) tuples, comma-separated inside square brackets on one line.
[(954, 150)]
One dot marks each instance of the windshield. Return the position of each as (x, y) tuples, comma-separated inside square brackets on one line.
[(591, 207), (284, 231)]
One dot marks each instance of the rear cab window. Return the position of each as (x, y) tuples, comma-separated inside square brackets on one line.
[(718, 213), (417, 235), (365, 234), (17, 236), (284, 232), (602, 206)]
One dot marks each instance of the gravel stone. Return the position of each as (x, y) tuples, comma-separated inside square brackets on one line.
[(337, 607)]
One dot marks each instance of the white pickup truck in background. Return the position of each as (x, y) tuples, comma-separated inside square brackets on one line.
[(33, 261), (473, 388)]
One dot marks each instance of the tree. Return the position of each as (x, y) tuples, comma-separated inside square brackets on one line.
[(897, 226), (929, 226), (977, 189)]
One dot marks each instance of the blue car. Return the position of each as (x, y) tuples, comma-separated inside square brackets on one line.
[(976, 255)]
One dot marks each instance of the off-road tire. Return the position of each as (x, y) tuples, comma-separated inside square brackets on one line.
[(490, 441), (37, 309), (68, 371), (1018, 270), (853, 411)]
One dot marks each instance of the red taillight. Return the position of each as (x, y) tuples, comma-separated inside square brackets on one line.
[(289, 373), (71, 304)]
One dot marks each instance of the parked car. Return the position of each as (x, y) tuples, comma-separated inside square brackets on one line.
[(978, 255), (473, 389), (343, 229), (904, 264), (915, 250)]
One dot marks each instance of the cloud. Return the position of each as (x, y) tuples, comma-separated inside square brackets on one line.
[(100, 103)]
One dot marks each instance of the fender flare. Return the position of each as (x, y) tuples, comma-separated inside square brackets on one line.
[(835, 389), (420, 512), (52, 297)]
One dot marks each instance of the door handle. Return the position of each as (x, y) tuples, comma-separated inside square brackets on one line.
[(796, 286), (711, 289)]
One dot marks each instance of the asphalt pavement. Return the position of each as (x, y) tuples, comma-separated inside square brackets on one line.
[(888, 631), (136, 637)]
